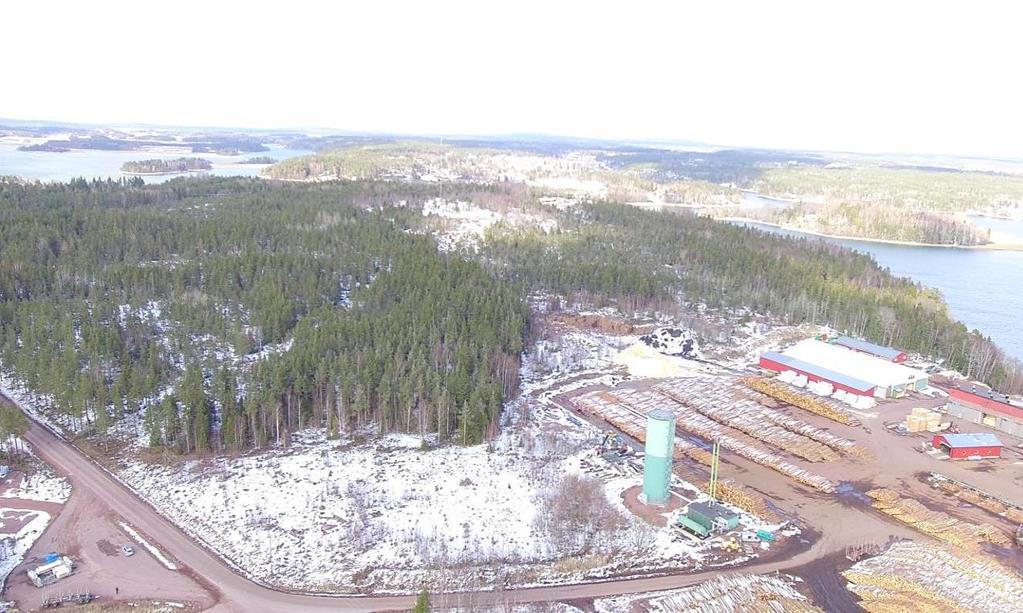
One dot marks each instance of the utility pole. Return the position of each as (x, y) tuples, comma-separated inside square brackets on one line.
[(715, 459)]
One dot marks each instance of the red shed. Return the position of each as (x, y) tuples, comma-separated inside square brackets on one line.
[(961, 446)]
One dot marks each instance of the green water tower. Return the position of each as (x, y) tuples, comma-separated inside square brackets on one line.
[(660, 445)]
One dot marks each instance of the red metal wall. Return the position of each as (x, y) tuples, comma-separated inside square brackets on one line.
[(959, 453), (966, 452), (986, 403), (770, 364)]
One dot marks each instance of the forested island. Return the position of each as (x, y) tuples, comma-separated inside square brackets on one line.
[(260, 159), (889, 203), (165, 167), (224, 144), (281, 306)]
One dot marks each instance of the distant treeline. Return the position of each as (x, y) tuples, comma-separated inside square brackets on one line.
[(165, 166), (225, 145), (260, 159), (643, 259), (911, 189), (232, 312), (117, 297), (873, 221)]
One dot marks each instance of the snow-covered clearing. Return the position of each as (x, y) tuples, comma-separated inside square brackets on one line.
[(386, 515), (40, 483), (15, 542), (468, 223), (44, 487), (20, 527), (336, 515), (736, 594)]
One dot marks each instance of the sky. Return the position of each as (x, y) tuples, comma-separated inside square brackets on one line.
[(925, 77)]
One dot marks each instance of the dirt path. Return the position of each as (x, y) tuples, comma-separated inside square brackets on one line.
[(101, 494)]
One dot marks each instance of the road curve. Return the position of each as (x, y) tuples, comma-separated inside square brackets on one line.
[(237, 593)]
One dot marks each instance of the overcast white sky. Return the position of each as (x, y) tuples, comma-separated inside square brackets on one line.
[(893, 76)]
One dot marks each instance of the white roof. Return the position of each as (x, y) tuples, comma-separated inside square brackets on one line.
[(854, 363)]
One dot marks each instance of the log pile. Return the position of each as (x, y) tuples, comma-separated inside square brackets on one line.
[(737, 594), (736, 495), (979, 498), (687, 418), (803, 400), (938, 524), (712, 398), (922, 577), (608, 408)]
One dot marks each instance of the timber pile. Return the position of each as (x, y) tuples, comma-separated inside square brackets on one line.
[(687, 418), (803, 400), (707, 396), (914, 576), (938, 524), (736, 495), (989, 502), (737, 594), (605, 406)]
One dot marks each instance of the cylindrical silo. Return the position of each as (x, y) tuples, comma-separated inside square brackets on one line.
[(660, 443)]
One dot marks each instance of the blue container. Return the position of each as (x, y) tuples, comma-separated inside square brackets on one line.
[(764, 535), (51, 557)]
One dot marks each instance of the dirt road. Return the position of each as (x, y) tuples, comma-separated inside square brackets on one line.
[(233, 592)]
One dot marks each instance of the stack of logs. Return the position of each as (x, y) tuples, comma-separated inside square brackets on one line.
[(803, 400), (936, 523)]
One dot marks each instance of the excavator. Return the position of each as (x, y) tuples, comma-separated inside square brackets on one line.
[(613, 443)]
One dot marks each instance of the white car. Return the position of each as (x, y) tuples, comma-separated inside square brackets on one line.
[(127, 551)]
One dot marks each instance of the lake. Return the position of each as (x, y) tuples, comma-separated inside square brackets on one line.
[(94, 164), (982, 287)]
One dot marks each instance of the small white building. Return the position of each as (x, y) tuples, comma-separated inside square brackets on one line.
[(51, 572)]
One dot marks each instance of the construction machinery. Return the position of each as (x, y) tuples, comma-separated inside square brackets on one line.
[(612, 445)]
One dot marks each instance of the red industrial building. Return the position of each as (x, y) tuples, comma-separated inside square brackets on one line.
[(962, 446), (779, 362), (981, 397), (878, 351)]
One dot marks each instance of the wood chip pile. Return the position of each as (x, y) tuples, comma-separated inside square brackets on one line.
[(690, 420), (712, 398), (914, 576), (804, 400), (937, 523)]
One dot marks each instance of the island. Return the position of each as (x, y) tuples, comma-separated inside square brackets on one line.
[(259, 159), (165, 167)]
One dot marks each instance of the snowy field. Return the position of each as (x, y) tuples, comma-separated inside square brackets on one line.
[(15, 542), (20, 527), (393, 514), (388, 515)]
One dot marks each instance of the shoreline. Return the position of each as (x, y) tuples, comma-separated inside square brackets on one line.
[(160, 174), (985, 247)]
